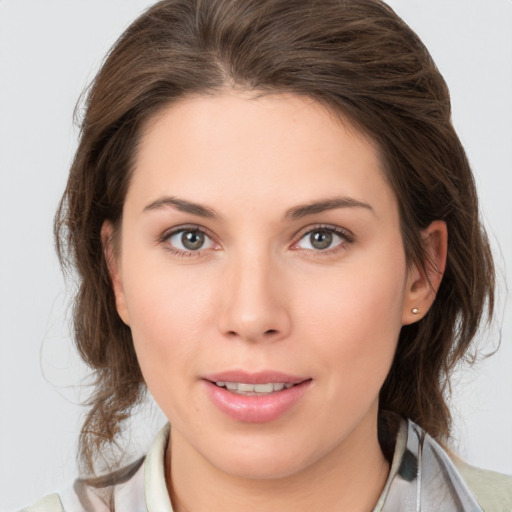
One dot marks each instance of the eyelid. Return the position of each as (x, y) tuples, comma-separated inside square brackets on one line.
[(184, 227)]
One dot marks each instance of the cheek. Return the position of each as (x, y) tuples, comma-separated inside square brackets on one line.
[(355, 318), (168, 313)]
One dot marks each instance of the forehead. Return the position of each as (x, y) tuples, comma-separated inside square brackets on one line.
[(238, 145)]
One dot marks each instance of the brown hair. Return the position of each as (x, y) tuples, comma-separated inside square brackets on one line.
[(358, 58)]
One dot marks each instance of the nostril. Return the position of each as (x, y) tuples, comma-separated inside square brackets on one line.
[(271, 331)]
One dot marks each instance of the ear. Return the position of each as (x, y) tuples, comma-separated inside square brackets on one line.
[(421, 287), (114, 270)]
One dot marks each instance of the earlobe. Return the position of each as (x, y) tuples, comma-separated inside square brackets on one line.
[(114, 270), (422, 284)]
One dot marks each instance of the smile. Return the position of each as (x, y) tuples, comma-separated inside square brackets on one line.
[(244, 388), (255, 397)]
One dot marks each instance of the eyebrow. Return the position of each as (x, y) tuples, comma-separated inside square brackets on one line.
[(183, 206), (333, 203), (296, 212)]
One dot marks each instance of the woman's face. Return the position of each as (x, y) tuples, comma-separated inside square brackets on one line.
[(260, 245)]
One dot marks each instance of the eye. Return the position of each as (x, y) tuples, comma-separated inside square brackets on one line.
[(323, 239), (189, 240)]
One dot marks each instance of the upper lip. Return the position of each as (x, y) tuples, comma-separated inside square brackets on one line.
[(262, 377)]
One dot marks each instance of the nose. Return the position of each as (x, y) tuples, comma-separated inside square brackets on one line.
[(254, 305)]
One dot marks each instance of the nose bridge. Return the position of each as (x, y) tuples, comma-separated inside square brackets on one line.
[(254, 306)]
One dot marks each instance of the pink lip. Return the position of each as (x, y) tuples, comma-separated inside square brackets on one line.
[(255, 409), (254, 378)]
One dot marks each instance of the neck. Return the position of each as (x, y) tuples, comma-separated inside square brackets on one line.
[(351, 477)]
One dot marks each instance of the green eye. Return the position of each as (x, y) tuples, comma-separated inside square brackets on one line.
[(322, 239), (187, 240), (192, 240)]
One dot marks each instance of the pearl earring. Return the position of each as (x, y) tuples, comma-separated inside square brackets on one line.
[(415, 311)]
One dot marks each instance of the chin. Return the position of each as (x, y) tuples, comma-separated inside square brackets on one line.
[(257, 460), (257, 468)]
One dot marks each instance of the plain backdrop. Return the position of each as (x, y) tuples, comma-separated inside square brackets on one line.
[(49, 51)]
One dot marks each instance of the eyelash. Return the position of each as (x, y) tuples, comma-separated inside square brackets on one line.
[(346, 236)]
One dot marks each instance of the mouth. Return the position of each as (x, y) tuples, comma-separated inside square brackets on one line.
[(247, 389), (256, 397)]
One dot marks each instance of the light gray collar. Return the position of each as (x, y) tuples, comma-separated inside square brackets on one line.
[(426, 479)]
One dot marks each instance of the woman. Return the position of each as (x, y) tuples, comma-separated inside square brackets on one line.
[(276, 231)]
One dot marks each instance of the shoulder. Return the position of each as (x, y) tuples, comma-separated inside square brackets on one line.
[(428, 473), (121, 490), (127, 489), (49, 503), (492, 490)]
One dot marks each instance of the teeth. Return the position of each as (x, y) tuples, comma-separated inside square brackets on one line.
[(243, 388), (247, 388), (263, 388)]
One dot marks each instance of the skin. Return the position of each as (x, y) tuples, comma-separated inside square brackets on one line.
[(259, 296)]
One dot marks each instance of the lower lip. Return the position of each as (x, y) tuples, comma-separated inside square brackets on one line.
[(256, 409)]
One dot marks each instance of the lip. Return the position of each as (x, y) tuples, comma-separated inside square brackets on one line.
[(254, 377), (255, 409)]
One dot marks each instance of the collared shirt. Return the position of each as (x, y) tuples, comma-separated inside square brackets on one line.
[(422, 478)]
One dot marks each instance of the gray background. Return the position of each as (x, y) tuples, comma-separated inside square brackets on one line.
[(49, 50)]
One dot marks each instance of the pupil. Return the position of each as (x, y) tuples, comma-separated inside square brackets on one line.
[(321, 239), (192, 240)]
